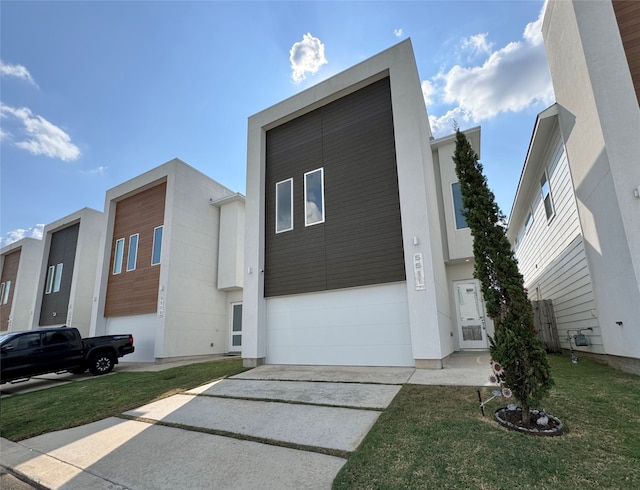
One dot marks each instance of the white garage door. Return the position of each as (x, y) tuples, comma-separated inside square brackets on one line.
[(366, 326), (143, 328)]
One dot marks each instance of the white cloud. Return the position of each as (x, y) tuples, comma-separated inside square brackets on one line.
[(306, 56), (445, 124), (477, 44), (101, 170), (20, 233), (427, 91), (17, 71), (397, 32), (511, 79), (43, 137)]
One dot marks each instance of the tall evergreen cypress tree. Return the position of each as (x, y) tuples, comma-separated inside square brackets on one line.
[(514, 344)]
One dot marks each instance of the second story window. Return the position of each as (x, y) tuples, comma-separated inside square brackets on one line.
[(546, 196), (132, 256), (4, 293), (54, 279), (157, 245), (284, 206), (458, 207), (118, 255), (58, 279), (314, 197)]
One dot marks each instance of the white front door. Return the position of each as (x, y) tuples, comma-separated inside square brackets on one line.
[(471, 324), (235, 334)]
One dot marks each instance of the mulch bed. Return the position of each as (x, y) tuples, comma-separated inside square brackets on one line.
[(512, 419)]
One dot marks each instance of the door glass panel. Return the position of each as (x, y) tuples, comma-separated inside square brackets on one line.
[(236, 327), (237, 318), (470, 319), (472, 332)]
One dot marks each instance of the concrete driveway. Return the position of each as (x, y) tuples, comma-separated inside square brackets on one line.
[(274, 427)]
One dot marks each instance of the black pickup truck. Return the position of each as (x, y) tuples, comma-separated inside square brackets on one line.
[(56, 350)]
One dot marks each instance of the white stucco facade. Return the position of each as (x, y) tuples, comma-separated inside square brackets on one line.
[(192, 317), (21, 316), (90, 230), (414, 326)]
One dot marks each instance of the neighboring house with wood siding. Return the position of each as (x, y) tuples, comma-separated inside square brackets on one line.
[(586, 254), (352, 251), (68, 271), (169, 272), (19, 273)]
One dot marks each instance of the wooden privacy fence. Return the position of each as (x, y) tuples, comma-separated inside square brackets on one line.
[(544, 320)]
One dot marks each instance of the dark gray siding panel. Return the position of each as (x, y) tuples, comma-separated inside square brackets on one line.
[(360, 242), (63, 250)]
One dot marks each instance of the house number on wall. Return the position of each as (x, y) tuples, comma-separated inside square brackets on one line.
[(418, 272)]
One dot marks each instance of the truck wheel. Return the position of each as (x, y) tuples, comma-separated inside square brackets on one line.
[(101, 363)]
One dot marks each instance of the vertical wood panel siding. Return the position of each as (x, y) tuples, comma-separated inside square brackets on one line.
[(9, 273), (136, 292), (551, 255), (360, 242), (55, 305), (628, 17)]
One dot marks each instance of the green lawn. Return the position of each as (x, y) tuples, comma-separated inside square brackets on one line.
[(431, 437), (434, 437), (27, 415)]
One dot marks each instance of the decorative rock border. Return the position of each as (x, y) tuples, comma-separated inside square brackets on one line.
[(554, 427)]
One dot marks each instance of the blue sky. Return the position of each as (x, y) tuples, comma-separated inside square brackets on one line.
[(96, 93)]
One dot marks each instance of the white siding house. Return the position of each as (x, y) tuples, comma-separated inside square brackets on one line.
[(595, 70), (545, 231)]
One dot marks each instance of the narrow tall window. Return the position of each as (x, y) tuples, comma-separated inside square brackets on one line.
[(2, 290), (132, 256), (314, 197), (5, 293), (528, 221), (51, 272), (117, 256), (458, 207), (58, 278), (157, 245), (284, 206), (546, 196)]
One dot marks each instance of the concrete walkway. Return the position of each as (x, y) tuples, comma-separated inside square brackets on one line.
[(274, 427)]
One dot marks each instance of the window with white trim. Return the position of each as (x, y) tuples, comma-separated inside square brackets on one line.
[(545, 190), (458, 207), (51, 272), (284, 206), (57, 281), (132, 256), (118, 256), (5, 292), (2, 286), (314, 197), (156, 251), (528, 221)]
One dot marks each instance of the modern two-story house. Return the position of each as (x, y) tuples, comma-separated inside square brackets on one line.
[(355, 251), (170, 265)]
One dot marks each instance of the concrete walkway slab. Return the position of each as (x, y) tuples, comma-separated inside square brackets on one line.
[(325, 427), (461, 369), (126, 454), (317, 393), (340, 374)]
